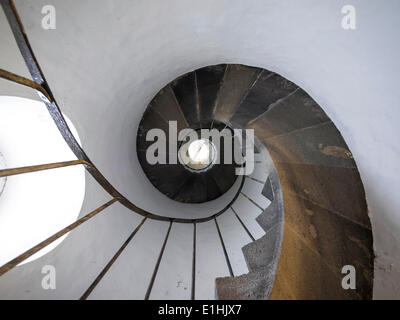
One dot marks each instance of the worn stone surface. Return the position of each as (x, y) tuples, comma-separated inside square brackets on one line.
[(265, 250), (167, 106), (324, 199), (326, 227), (237, 81), (160, 175), (337, 240), (255, 285), (337, 189), (185, 92), (307, 275), (281, 289), (194, 189), (273, 214), (268, 89), (190, 101), (308, 146), (298, 110), (267, 190), (223, 175), (153, 120), (208, 85), (270, 216)]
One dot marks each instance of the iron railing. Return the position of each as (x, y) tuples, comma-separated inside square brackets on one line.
[(41, 86)]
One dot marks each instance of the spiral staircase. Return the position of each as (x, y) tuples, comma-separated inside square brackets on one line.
[(239, 244)]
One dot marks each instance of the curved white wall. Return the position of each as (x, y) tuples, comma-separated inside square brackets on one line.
[(106, 60)]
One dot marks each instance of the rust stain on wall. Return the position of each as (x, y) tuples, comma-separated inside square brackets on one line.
[(336, 151)]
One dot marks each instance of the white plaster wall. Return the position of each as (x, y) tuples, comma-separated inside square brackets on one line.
[(107, 59)]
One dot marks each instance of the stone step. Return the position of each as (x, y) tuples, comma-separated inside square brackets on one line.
[(236, 83), (288, 114), (174, 276), (235, 237), (185, 92), (208, 82), (167, 106), (260, 172), (248, 212), (208, 248), (269, 88), (265, 250), (255, 285), (253, 191)]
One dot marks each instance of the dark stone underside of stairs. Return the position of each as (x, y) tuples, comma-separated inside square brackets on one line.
[(190, 101), (327, 222)]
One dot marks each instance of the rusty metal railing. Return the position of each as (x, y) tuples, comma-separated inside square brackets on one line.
[(42, 88)]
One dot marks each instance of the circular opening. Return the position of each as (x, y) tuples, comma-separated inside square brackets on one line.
[(35, 205), (199, 155)]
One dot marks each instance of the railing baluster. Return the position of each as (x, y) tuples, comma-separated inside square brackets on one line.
[(40, 167), (111, 262), (20, 80), (11, 264), (194, 262), (22, 41), (153, 277)]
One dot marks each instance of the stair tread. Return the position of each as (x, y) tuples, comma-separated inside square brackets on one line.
[(193, 190), (235, 237), (174, 276), (253, 190), (167, 106), (248, 212), (289, 115), (208, 84), (208, 248), (260, 172), (268, 89), (185, 93), (237, 80)]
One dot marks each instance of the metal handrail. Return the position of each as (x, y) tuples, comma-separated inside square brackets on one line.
[(40, 84), (14, 262)]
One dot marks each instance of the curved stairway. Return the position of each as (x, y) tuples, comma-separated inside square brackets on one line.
[(233, 253), (197, 100)]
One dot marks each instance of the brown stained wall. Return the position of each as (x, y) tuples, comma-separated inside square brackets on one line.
[(326, 223), (326, 216)]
